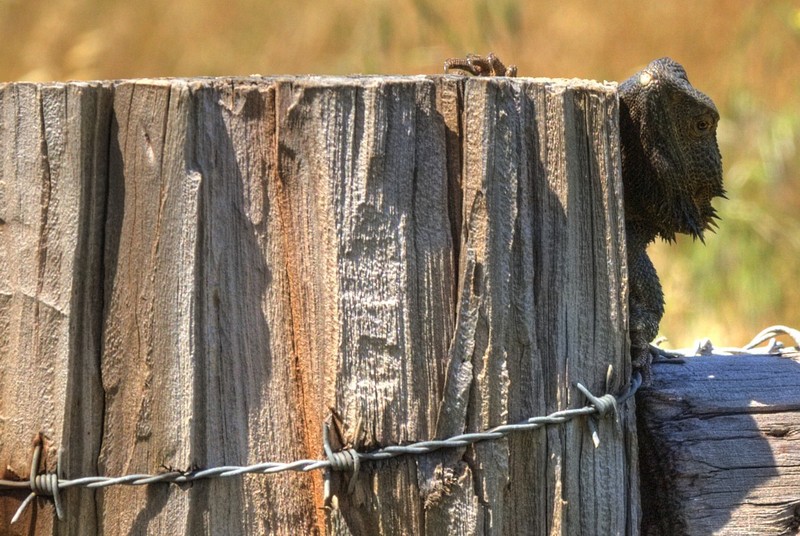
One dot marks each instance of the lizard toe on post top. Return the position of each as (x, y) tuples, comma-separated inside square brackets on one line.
[(489, 65), (671, 172)]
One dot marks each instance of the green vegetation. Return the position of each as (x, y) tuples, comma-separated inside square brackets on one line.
[(743, 53)]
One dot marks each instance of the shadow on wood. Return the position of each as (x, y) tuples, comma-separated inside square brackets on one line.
[(196, 273), (720, 448)]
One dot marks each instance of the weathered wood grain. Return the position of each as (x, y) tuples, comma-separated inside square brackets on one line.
[(719, 447), (364, 172), (198, 367), (542, 305), (53, 168), (405, 257)]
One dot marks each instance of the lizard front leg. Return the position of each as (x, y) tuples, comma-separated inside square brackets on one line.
[(646, 304)]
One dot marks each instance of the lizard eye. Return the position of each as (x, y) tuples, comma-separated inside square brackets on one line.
[(703, 125)]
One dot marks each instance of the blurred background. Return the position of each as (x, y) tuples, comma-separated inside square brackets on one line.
[(745, 54)]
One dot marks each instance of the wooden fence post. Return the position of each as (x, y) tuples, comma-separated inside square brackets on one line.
[(199, 273)]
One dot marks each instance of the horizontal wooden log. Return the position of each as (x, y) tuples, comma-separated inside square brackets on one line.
[(198, 273), (720, 446)]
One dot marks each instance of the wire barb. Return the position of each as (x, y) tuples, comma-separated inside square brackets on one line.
[(345, 460), (40, 485), (604, 405)]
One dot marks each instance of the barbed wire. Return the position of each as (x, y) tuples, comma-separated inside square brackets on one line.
[(768, 335), (349, 460)]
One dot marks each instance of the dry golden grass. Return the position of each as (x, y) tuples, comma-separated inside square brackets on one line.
[(744, 53)]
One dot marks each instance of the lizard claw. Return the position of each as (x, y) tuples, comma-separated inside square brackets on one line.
[(489, 65), (645, 357), (660, 354), (643, 362)]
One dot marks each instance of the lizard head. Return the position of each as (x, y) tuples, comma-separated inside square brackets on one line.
[(671, 164)]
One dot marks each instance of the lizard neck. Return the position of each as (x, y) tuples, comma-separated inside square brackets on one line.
[(638, 235)]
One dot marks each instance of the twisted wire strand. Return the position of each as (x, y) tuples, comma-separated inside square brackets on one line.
[(348, 460)]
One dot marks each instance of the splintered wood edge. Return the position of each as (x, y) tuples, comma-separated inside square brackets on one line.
[(324, 81)]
